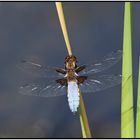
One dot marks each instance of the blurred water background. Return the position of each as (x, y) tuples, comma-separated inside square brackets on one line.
[(31, 30)]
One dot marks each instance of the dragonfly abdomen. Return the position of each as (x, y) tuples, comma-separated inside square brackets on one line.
[(73, 96)]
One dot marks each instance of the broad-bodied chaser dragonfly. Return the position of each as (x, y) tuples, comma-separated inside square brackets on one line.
[(71, 79)]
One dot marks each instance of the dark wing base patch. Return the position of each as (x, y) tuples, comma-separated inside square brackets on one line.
[(62, 82), (81, 79), (78, 69)]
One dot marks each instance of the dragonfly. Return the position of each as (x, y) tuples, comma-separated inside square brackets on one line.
[(72, 80)]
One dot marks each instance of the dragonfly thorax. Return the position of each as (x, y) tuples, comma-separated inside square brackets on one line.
[(71, 75)]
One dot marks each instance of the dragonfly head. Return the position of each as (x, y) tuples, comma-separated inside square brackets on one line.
[(70, 62)]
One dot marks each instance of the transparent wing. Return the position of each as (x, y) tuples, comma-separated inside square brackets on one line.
[(38, 70), (98, 83), (104, 64), (43, 89)]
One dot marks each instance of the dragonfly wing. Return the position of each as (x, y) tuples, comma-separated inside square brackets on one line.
[(49, 89), (98, 83), (39, 70), (104, 64)]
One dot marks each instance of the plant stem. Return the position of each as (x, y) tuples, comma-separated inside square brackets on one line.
[(84, 120), (127, 118), (63, 26), (83, 116)]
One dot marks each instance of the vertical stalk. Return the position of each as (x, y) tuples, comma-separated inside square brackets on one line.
[(84, 120), (63, 26), (83, 117), (127, 118)]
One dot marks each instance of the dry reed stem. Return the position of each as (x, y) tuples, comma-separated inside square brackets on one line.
[(83, 117)]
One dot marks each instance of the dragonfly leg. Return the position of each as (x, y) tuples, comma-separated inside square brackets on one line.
[(62, 71)]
